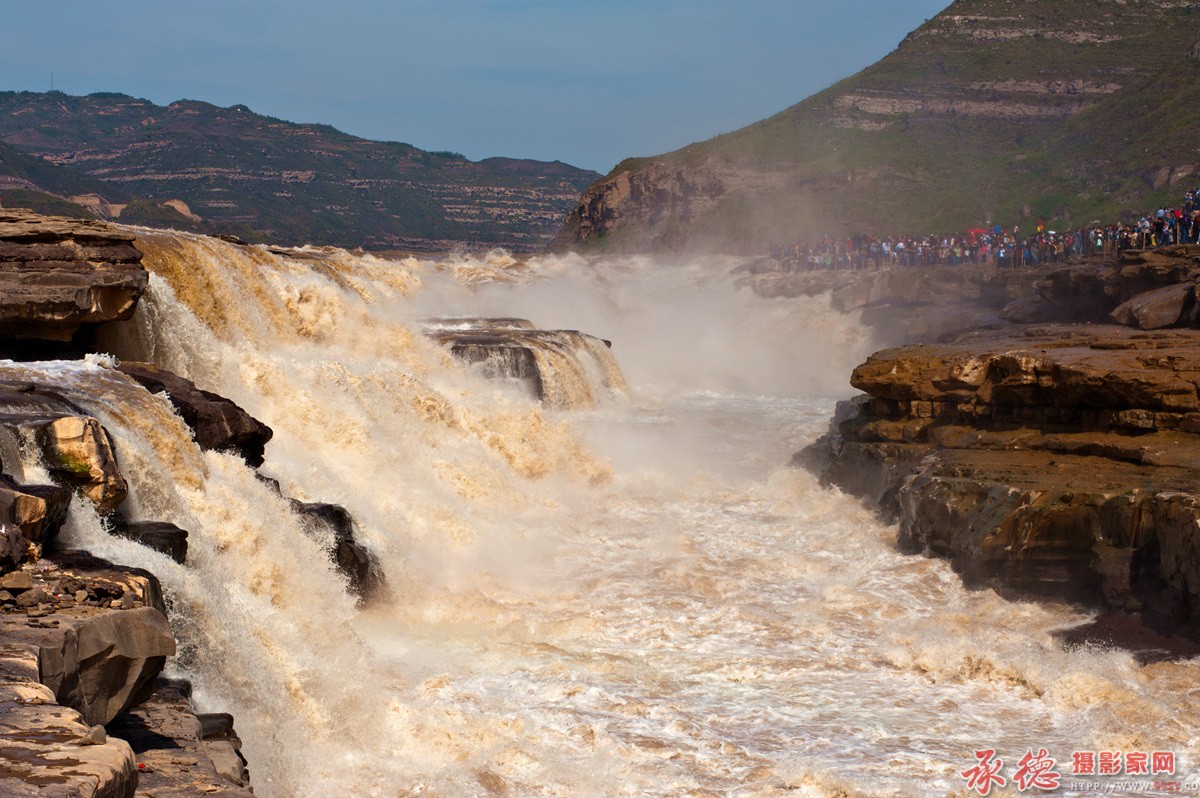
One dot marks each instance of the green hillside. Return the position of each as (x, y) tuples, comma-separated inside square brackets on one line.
[(995, 110), (267, 179)]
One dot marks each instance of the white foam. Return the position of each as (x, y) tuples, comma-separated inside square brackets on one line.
[(638, 601)]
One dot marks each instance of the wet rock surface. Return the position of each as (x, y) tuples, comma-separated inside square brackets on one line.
[(1147, 289), (219, 424), (1056, 461), (158, 535), (355, 561), (77, 453), (333, 525), (563, 369), (58, 274)]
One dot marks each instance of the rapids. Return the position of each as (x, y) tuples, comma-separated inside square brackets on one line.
[(638, 599)]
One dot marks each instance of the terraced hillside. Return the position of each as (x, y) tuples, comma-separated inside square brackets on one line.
[(995, 110), (229, 170)]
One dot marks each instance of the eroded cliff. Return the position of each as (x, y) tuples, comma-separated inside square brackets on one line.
[(986, 113)]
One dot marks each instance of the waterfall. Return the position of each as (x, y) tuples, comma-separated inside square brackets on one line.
[(565, 369), (633, 599)]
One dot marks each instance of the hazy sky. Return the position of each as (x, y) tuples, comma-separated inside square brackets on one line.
[(588, 82)]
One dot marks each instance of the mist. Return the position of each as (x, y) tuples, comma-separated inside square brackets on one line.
[(674, 325)]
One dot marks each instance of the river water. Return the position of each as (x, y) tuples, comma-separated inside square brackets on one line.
[(639, 598)]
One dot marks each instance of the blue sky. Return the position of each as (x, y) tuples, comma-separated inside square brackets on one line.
[(588, 82)]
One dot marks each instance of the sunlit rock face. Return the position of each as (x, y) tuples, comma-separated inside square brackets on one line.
[(1056, 460), (57, 274)]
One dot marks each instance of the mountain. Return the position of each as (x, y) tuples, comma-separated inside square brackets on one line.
[(229, 170), (993, 111)]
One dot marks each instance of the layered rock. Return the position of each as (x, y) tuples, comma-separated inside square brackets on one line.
[(179, 753), (83, 642), (937, 136), (1147, 289), (100, 631), (1058, 460), (563, 369), (59, 274), (217, 422), (48, 749)]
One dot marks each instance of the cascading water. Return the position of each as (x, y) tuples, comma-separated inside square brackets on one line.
[(635, 600), (565, 369)]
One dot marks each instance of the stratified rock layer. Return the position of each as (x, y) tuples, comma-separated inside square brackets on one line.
[(176, 757), (58, 274), (99, 630), (1060, 461), (47, 749), (912, 304), (563, 369)]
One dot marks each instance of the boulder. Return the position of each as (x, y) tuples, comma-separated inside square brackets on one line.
[(76, 449), (30, 516), (102, 662), (1162, 307), (218, 423), (79, 453), (157, 535), (355, 561), (58, 274)]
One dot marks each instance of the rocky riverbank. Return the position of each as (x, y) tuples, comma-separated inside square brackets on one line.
[(84, 707), (1057, 460)]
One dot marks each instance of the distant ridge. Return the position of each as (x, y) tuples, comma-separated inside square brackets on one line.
[(993, 111), (241, 173)]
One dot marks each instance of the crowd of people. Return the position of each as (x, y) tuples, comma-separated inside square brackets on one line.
[(998, 246)]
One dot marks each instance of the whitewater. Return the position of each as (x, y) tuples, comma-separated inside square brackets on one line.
[(633, 597)]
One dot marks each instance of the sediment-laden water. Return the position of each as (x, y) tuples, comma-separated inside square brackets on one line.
[(635, 599)]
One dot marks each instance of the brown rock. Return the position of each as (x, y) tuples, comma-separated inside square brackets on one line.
[(103, 664), (17, 580), (42, 748), (158, 535), (57, 274), (180, 758), (1162, 307), (217, 422), (37, 511), (33, 597), (79, 452), (1058, 461)]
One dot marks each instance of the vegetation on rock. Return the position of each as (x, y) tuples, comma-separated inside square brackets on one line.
[(993, 111), (239, 173)]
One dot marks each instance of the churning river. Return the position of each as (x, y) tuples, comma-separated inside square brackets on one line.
[(639, 598)]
